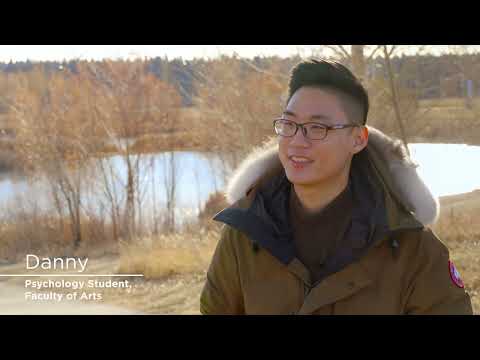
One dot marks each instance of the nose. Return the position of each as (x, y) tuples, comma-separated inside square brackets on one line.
[(299, 139)]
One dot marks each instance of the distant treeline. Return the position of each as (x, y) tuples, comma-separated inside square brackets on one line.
[(430, 76), (181, 73)]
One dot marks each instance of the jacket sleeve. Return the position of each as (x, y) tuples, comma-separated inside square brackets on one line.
[(222, 292), (433, 289)]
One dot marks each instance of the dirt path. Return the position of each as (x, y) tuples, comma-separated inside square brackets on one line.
[(178, 294), (13, 302)]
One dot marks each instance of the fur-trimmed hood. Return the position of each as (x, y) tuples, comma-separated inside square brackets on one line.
[(413, 192)]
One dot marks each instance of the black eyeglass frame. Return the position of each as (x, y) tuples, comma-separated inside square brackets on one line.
[(304, 130)]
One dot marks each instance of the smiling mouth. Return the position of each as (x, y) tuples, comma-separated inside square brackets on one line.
[(300, 161)]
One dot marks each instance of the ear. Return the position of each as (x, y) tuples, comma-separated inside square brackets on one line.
[(360, 138)]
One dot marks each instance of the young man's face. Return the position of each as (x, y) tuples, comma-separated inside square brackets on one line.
[(325, 160)]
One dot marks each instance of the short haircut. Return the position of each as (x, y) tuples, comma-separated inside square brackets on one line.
[(333, 76)]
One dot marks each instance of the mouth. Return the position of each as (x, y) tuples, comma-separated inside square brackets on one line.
[(299, 162)]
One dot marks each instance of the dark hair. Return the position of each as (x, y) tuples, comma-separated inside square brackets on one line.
[(332, 75)]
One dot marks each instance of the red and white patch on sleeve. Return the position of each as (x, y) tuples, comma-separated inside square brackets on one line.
[(454, 275)]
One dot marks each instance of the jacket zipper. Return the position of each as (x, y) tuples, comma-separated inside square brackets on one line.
[(306, 290)]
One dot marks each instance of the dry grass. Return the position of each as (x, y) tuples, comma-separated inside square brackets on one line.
[(459, 229), (8, 159), (452, 102), (175, 264), (176, 253), (169, 254), (178, 294), (163, 142), (446, 120), (47, 236), (459, 218)]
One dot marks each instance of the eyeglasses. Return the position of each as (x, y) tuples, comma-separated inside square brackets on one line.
[(311, 130)]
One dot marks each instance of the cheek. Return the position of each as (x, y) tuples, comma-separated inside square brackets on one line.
[(330, 158), (283, 151)]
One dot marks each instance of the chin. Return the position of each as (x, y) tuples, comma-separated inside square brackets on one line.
[(301, 179)]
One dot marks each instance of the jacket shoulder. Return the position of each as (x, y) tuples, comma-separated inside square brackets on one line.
[(433, 285), (222, 291), (234, 243), (423, 243)]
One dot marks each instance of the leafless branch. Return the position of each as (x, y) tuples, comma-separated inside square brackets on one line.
[(345, 52), (392, 49), (374, 52), (340, 51), (262, 71)]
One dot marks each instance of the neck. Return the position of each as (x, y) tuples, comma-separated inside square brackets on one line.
[(315, 197)]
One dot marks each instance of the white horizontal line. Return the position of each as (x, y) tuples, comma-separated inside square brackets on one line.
[(74, 275)]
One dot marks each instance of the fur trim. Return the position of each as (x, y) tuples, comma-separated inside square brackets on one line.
[(251, 169), (411, 187)]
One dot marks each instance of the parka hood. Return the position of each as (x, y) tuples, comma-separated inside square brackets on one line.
[(396, 170)]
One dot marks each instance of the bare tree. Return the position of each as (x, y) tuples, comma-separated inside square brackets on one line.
[(238, 101), (171, 173), (358, 56), (51, 137), (170, 183), (155, 227), (386, 98), (198, 191), (394, 97), (128, 100)]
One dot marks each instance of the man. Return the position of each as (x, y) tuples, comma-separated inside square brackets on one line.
[(330, 217)]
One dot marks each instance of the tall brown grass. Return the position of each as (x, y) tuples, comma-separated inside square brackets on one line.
[(161, 256), (459, 229), (47, 235), (459, 218)]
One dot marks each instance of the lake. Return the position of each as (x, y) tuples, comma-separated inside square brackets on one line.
[(197, 176), (447, 169)]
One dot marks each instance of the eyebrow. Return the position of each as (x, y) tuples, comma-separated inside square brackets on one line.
[(316, 117)]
